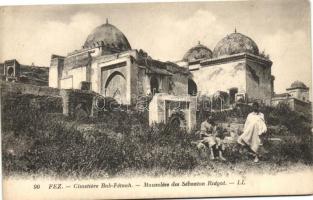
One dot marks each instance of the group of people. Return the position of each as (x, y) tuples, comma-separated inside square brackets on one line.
[(250, 138)]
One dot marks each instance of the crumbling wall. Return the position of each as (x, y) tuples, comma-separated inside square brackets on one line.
[(28, 89), (77, 103)]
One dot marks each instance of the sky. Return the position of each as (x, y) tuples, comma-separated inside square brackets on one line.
[(281, 28)]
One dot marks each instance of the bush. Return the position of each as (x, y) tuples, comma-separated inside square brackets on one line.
[(38, 142)]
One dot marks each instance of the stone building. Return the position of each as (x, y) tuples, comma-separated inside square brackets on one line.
[(13, 71), (106, 64), (235, 67), (296, 97)]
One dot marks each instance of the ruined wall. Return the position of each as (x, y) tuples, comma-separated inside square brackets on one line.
[(180, 82), (166, 84), (29, 99), (20, 88), (77, 103), (258, 77), (220, 77)]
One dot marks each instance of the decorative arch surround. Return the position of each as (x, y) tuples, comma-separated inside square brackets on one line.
[(115, 87)]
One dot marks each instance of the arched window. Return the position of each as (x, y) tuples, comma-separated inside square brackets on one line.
[(192, 87), (154, 85), (232, 94)]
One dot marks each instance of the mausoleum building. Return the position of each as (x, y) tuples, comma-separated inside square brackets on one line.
[(108, 65), (235, 67)]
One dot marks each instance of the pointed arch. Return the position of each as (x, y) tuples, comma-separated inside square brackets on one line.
[(115, 87)]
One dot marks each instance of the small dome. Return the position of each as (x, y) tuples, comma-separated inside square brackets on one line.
[(298, 84), (235, 43), (198, 52), (109, 37)]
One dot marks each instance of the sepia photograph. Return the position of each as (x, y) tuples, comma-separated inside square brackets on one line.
[(139, 100)]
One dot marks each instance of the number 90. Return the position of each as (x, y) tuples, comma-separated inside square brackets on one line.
[(36, 186)]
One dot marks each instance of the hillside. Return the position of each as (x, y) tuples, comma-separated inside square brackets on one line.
[(38, 139)]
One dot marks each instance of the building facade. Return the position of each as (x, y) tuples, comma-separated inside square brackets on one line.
[(235, 67), (13, 71), (296, 97), (108, 65)]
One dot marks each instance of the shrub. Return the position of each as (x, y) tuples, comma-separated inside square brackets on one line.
[(38, 142)]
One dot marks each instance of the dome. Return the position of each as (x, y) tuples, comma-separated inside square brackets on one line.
[(198, 52), (235, 43), (109, 37), (298, 84)]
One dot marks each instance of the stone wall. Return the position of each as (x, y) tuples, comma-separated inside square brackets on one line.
[(26, 98), (134, 88), (180, 84), (294, 104), (28, 89), (77, 103), (300, 106)]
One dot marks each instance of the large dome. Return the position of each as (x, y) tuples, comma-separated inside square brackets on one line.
[(109, 37), (235, 43), (298, 84), (198, 52)]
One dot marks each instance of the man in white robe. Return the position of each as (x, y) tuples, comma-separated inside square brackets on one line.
[(253, 128)]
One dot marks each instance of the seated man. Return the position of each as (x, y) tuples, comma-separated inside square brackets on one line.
[(212, 138)]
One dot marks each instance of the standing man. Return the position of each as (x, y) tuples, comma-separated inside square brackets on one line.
[(253, 128)]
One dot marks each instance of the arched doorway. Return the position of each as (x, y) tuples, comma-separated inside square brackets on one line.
[(176, 121), (154, 85), (192, 87), (10, 71), (232, 94), (220, 100), (115, 87)]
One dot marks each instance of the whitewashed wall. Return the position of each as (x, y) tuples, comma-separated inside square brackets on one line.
[(53, 76), (210, 79)]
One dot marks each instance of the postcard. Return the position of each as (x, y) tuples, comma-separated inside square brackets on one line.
[(156, 100)]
